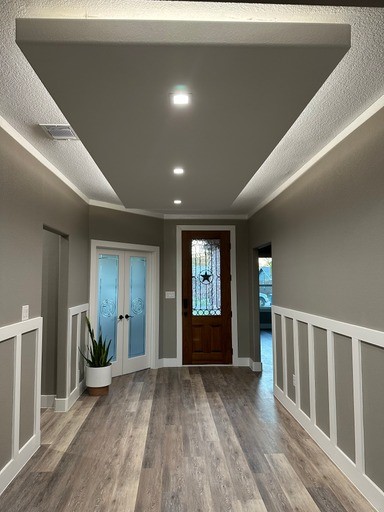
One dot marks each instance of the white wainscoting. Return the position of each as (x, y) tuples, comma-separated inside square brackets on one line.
[(353, 470), (21, 454), (72, 392)]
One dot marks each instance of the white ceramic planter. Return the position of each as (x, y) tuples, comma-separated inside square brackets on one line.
[(98, 377)]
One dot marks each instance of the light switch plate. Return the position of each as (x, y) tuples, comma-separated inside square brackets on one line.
[(24, 313), (170, 295)]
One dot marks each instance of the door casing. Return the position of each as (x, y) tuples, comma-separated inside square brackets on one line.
[(217, 227), (152, 253)]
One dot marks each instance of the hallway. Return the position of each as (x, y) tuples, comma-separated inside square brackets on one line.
[(180, 439)]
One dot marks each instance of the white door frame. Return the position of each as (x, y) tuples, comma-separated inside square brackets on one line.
[(179, 323), (153, 253)]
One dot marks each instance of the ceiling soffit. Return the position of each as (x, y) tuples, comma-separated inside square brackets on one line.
[(249, 82)]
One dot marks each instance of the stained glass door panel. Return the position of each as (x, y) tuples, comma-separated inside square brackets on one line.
[(206, 301)]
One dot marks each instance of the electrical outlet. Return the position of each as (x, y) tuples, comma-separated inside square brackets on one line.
[(294, 379), (24, 313)]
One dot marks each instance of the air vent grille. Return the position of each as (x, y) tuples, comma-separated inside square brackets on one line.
[(59, 131)]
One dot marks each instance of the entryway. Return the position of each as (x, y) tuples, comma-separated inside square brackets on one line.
[(124, 303), (207, 337), (54, 307)]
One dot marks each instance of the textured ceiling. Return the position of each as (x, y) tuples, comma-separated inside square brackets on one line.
[(354, 86), (249, 82)]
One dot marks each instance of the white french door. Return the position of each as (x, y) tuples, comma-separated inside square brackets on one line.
[(123, 307)]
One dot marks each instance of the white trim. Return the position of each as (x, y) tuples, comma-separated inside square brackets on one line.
[(168, 216), (296, 362), (353, 470), (360, 120), (154, 297), (71, 395), (284, 353), (179, 319), (243, 361), (331, 387), (40, 158), (122, 208), (64, 404), (311, 370), (255, 366), (168, 362), (21, 454), (47, 401), (358, 404)]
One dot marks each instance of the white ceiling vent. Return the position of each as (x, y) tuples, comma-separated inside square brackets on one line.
[(59, 131)]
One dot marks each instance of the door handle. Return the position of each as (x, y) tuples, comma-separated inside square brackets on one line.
[(185, 303), (127, 317), (121, 317)]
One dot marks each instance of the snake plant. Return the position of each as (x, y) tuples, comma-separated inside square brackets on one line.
[(97, 350)]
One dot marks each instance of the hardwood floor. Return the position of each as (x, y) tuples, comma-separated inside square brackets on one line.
[(180, 439)]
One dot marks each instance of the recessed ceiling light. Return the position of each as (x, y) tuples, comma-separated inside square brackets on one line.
[(180, 98), (178, 170), (177, 201)]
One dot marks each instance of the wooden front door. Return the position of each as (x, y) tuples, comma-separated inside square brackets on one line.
[(206, 301)]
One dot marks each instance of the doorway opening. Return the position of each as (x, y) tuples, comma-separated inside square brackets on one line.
[(124, 303), (206, 297), (54, 306), (265, 301)]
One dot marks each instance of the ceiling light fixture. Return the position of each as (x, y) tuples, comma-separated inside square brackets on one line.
[(177, 201), (180, 98), (178, 170)]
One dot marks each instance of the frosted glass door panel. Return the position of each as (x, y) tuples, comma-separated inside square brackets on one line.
[(138, 299), (108, 287)]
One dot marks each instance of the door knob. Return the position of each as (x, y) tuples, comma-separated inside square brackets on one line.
[(121, 317), (127, 316)]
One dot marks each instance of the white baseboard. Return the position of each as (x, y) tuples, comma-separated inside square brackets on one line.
[(47, 401), (173, 362), (168, 362), (64, 404), (256, 366), (241, 361)]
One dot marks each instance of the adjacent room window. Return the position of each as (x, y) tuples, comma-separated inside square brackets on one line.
[(265, 283)]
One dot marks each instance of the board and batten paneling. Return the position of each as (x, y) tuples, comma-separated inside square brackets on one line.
[(76, 339), (339, 391), (20, 370)]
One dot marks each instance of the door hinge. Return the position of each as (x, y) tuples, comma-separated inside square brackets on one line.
[(232, 351), (230, 277), (231, 314)]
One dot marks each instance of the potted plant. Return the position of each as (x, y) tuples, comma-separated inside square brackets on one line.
[(98, 368)]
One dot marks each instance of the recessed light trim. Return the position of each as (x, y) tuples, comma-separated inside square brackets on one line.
[(178, 170), (177, 201), (180, 99)]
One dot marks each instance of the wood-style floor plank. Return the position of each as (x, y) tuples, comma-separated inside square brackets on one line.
[(198, 439)]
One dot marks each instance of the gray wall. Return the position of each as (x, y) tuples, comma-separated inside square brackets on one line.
[(327, 233), (327, 241), (49, 310), (30, 197)]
